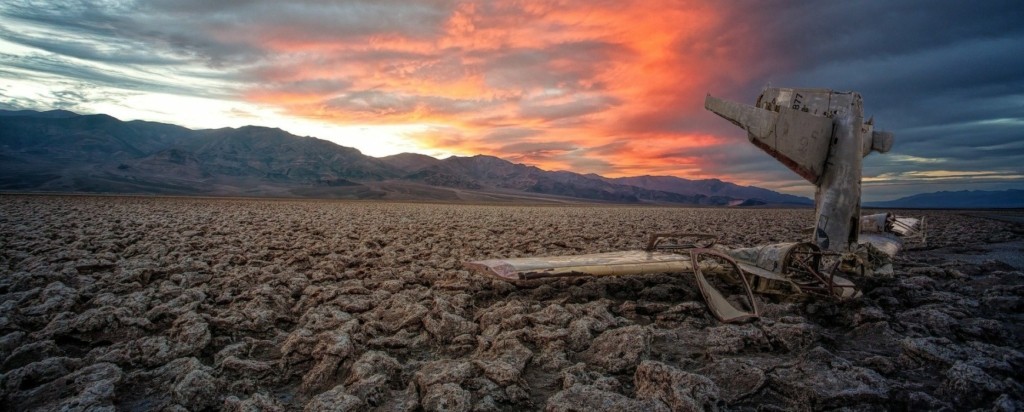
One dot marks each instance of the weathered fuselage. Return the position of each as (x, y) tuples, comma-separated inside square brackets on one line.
[(821, 135)]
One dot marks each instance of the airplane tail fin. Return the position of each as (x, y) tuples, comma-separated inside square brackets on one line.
[(757, 122), (795, 138)]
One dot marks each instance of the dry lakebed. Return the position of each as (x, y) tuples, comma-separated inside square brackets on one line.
[(144, 303)]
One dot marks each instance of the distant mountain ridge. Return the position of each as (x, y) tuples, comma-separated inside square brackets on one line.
[(713, 187), (964, 199), (482, 171), (60, 151)]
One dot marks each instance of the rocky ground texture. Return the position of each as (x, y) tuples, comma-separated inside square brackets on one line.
[(135, 303)]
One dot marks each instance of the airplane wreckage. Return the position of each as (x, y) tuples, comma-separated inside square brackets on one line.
[(821, 135)]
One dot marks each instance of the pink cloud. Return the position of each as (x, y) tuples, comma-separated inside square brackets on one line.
[(584, 74)]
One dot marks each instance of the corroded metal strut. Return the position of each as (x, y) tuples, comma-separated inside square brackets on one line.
[(822, 136)]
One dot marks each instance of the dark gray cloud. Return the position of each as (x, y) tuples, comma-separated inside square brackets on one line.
[(117, 46), (45, 68), (945, 77), (312, 20), (122, 33), (174, 37), (90, 49), (856, 31)]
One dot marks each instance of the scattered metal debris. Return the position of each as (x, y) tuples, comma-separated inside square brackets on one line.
[(821, 135), (794, 268), (685, 254)]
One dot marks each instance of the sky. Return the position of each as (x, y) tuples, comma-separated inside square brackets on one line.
[(592, 86)]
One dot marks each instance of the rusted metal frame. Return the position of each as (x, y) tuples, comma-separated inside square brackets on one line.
[(830, 282), (831, 286), (694, 253), (655, 238), (815, 275), (809, 267), (832, 277)]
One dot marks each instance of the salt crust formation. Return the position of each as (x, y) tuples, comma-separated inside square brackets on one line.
[(134, 303)]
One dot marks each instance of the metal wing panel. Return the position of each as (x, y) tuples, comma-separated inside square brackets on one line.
[(632, 262), (798, 140), (757, 122)]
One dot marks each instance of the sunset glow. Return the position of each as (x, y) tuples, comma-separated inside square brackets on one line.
[(608, 87), (561, 86)]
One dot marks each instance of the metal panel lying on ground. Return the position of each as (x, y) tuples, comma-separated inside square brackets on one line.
[(820, 134), (700, 262)]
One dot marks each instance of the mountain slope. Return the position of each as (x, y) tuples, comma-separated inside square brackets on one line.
[(409, 162), (711, 187), (964, 199), (53, 114), (276, 154), (99, 137), (98, 153), (483, 172), (64, 152)]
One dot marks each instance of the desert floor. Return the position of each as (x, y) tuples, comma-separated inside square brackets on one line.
[(142, 303)]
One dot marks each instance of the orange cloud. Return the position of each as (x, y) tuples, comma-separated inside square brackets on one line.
[(609, 86)]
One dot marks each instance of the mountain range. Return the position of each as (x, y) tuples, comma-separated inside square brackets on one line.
[(60, 151), (964, 199)]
